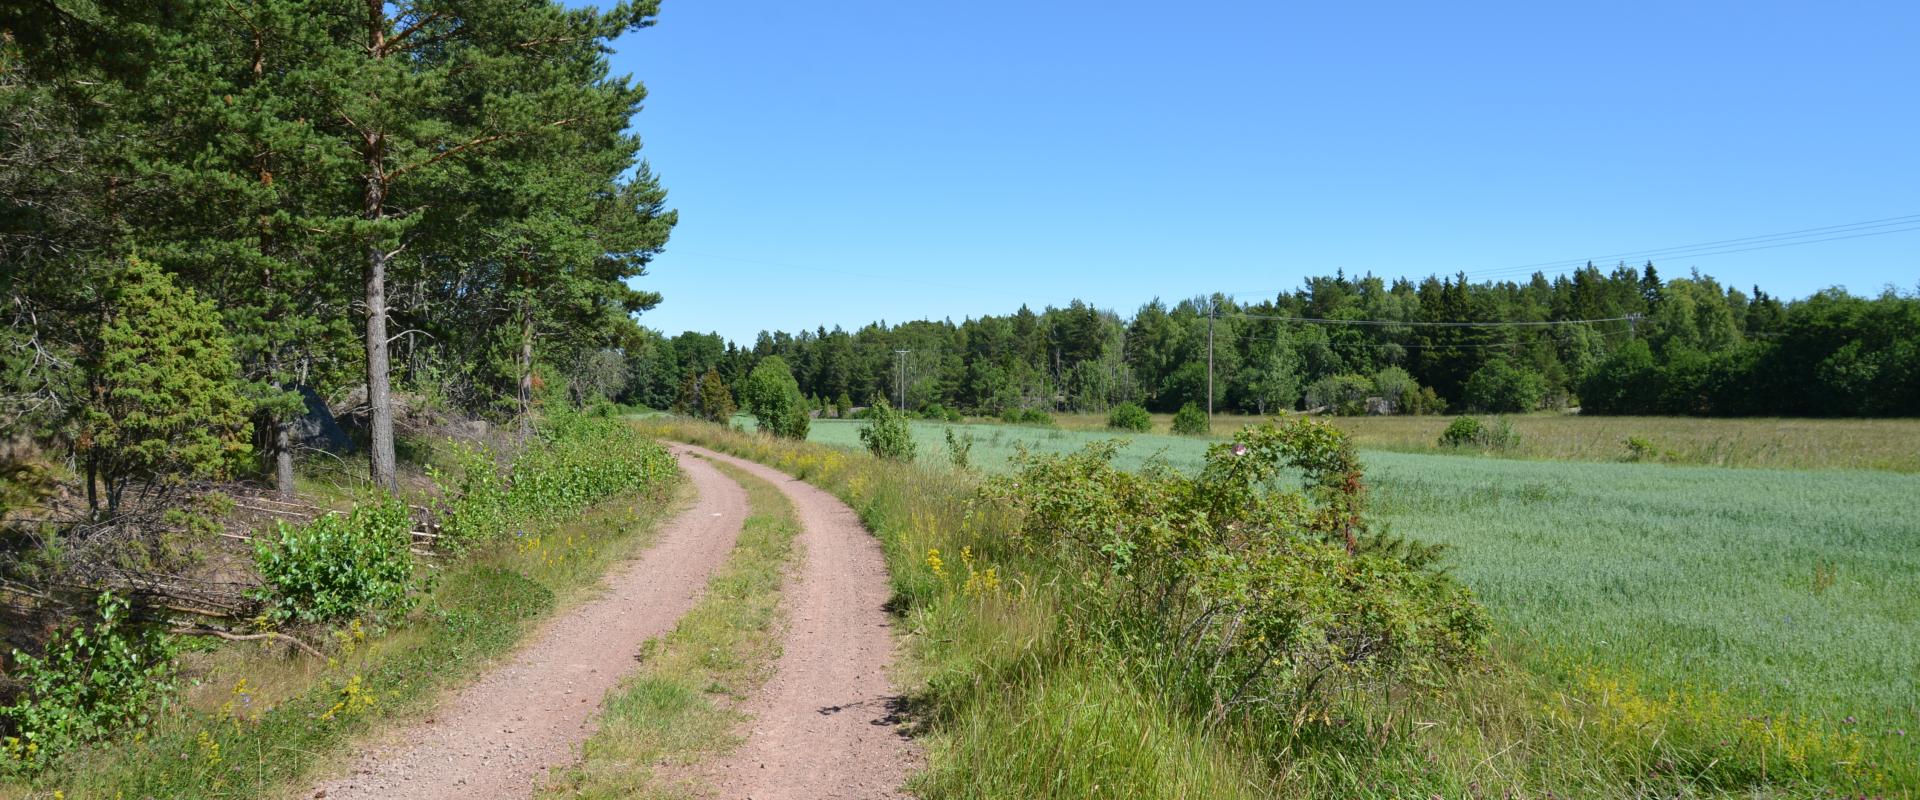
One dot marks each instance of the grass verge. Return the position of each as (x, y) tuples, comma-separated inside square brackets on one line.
[(680, 706), (256, 722)]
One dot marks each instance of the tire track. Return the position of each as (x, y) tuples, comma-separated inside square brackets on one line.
[(498, 736), (826, 725)]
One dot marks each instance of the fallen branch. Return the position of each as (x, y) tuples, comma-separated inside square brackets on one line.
[(247, 637)]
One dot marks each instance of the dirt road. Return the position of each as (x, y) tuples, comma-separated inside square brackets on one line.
[(825, 725), (497, 737)]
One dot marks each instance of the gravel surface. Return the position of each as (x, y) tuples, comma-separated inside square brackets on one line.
[(498, 737), (826, 725)]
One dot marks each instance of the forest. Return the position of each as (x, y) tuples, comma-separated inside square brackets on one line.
[(214, 217), (1618, 342)]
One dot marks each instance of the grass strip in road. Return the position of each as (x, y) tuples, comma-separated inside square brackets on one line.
[(680, 706), (258, 723)]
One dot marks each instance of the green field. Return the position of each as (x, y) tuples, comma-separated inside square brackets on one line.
[(1785, 592)]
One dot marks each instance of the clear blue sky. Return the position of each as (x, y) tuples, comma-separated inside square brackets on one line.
[(840, 162)]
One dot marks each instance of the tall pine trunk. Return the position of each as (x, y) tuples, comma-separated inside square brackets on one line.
[(381, 467), (379, 393), (526, 369), (283, 459)]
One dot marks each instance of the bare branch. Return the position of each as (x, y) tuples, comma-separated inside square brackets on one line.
[(393, 43), (248, 637)]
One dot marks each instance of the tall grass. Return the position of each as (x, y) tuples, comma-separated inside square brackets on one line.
[(1604, 687), (1876, 444)]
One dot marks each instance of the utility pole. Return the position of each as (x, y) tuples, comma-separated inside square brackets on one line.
[(900, 379), (1213, 312)]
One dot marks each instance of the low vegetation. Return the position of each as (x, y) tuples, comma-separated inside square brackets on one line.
[(1858, 444), (1190, 421), (1129, 417), (887, 434), (1698, 629), (95, 720), (338, 566), (1478, 434)]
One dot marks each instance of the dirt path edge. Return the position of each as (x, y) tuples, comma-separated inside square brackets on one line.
[(827, 724)]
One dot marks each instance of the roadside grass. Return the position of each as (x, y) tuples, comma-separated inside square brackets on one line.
[(680, 705), (1665, 630), (1866, 444), (256, 722)]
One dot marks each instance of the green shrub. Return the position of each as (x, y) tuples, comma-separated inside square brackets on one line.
[(1502, 388), (92, 681), (1461, 432), (1394, 385), (1340, 395), (1422, 402), (707, 397), (1130, 417), (1471, 432), (940, 413), (960, 450), (582, 461), (478, 507), (163, 405), (1239, 597), (1026, 416), (773, 397), (1190, 421), (339, 565), (1640, 448), (887, 433), (843, 406), (578, 460)]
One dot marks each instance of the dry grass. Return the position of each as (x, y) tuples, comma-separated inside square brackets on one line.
[(1875, 444)]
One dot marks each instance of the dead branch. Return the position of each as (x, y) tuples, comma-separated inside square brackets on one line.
[(248, 637)]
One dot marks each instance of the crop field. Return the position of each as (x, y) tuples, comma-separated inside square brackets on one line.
[(1774, 592), (1876, 444)]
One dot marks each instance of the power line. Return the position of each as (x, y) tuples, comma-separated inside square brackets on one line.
[(1492, 346), (1385, 323), (1828, 233)]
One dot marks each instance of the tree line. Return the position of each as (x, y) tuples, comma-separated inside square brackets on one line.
[(210, 209), (1623, 341)]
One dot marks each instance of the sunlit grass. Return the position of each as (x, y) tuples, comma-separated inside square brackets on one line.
[(1778, 594), (1881, 444)]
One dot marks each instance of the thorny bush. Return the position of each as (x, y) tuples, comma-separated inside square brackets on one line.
[(1253, 594)]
